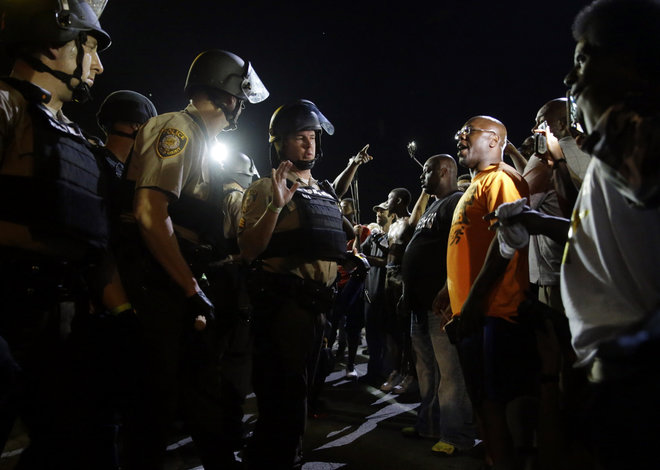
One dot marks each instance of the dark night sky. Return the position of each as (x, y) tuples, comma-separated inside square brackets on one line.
[(382, 75)]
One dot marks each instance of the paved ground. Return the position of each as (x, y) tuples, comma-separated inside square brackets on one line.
[(359, 428)]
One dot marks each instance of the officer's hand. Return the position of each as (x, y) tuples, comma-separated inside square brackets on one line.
[(282, 194), (199, 310)]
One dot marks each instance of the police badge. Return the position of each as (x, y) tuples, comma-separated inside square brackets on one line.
[(171, 142)]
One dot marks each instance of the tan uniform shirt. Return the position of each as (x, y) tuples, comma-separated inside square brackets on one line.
[(171, 154), (231, 208), (255, 200)]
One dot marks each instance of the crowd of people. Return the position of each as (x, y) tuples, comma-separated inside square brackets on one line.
[(143, 283)]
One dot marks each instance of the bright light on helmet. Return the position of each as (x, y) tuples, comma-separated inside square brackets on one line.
[(219, 152)]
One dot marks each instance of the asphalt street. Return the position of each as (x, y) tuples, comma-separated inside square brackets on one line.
[(357, 428)]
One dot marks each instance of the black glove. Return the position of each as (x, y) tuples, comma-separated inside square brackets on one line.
[(198, 304)]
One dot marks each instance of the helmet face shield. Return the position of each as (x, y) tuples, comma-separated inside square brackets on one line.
[(52, 21), (97, 6), (84, 16), (252, 87), (298, 116), (301, 115), (225, 71)]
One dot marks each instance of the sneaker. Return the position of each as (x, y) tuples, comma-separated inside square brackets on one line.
[(351, 374), (391, 381), (403, 386), (443, 448)]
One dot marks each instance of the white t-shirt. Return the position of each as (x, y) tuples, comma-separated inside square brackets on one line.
[(610, 276)]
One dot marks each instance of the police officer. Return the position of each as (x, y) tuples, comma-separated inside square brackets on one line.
[(177, 212), (53, 232), (120, 116), (293, 226), (228, 292)]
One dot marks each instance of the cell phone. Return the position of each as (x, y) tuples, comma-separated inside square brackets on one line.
[(572, 114), (540, 143)]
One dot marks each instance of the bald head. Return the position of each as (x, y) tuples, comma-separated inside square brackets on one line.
[(439, 175), (491, 124), (554, 113), (481, 142)]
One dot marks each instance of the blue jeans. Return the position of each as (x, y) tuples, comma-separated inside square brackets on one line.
[(446, 411)]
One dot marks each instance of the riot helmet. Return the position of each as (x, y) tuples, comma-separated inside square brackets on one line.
[(221, 71), (125, 106), (240, 168), (53, 22), (301, 115)]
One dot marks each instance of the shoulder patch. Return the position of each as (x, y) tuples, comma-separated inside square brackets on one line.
[(171, 142), (248, 199)]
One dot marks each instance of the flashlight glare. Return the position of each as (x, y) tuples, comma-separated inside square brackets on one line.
[(219, 152)]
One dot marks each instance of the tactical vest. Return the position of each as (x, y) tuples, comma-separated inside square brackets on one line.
[(320, 235), (65, 194), (205, 218)]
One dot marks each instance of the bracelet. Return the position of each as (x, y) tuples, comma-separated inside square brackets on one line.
[(121, 309), (273, 209)]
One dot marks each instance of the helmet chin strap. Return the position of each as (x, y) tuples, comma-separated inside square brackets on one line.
[(231, 116), (81, 92), (304, 164)]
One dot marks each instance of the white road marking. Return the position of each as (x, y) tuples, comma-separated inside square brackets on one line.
[(334, 433), (322, 465), (371, 423)]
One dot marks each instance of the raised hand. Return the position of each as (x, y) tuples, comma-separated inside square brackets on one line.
[(363, 156), (282, 194)]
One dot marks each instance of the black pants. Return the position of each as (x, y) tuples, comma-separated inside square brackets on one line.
[(53, 366), (287, 340), (180, 377)]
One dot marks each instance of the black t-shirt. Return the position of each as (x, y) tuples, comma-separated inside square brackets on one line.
[(424, 266)]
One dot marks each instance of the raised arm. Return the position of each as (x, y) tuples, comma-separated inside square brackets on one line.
[(343, 180), (254, 240)]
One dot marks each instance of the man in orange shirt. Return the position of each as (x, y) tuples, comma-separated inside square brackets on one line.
[(485, 288)]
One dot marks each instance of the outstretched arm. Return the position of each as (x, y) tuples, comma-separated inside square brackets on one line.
[(343, 180)]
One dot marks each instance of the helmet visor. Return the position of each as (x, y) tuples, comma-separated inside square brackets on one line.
[(97, 6), (252, 86)]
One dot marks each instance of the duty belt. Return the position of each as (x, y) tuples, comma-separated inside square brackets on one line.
[(273, 288)]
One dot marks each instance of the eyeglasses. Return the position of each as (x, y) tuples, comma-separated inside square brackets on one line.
[(469, 129)]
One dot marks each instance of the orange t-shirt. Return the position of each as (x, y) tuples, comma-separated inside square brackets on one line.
[(469, 240)]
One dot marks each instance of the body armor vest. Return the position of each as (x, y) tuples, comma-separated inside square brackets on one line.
[(320, 235), (65, 194)]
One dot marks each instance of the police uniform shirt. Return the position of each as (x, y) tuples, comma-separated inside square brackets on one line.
[(255, 200), (231, 207), (171, 154)]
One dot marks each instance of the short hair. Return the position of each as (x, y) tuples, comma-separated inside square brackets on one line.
[(404, 195), (624, 26)]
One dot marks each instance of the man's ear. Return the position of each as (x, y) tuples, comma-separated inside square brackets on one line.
[(51, 52), (232, 102)]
